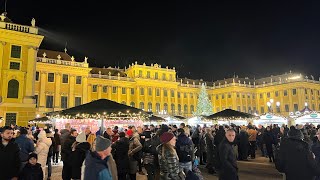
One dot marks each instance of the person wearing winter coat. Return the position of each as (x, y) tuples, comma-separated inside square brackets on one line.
[(56, 146), (79, 151), (32, 170), (26, 146), (168, 158), (269, 140), (90, 137), (66, 151), (252, 141), (9, 155), (65, 133), (134, 147), (184, 149), (229, 168), (243, 145), (42, 150), (219, 136), (210, 150), (120, 154), (295, 158)]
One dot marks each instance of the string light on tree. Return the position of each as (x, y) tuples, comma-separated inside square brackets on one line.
[(204, 106)]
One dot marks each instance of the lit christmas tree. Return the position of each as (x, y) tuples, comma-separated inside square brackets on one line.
[(204, 106)]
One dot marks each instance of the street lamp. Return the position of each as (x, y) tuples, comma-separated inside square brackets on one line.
[(306, 104), (278, 106), (271, 100)]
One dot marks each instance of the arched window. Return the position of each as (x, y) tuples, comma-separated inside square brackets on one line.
[(179, 108), (149, 106), (185, 109), (191, 108), (172, 109), (157, 107), (141, 105), (165, 107), (132, 104), (13, 89)]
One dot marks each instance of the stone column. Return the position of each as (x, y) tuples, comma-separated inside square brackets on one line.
[(153, 99), (30, 74), (2, 45), (71, 91), (57, 96), (119, 91), (99, 91), (128, 95), (84, 89), (42, 98), (161, 99), (89, 92), (109, 90)]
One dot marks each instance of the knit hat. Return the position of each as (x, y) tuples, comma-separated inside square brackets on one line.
[(102, 143), (81, 137), (129, 132), (33, 155), (166, 137), (295, 134)]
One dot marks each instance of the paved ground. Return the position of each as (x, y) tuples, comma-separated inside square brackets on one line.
[(259, 168)]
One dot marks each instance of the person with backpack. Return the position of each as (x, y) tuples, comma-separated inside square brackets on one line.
[(227, 160), (149, 154), (120, 154), (50, 153), (184, 148)]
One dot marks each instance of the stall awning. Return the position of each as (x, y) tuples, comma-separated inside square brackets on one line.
[(229, 114)]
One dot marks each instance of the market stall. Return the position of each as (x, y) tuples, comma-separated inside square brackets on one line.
[(97, 113), (229, 116), (177, 120), (313, 117), (155, 120), (269, 119)]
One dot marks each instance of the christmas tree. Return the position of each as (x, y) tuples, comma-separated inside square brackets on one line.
[(204, 106)]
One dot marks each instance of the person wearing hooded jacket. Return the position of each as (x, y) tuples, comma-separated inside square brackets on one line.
[(79, 150), (184, 149), (26, 147), (120, 153), (295, 158), (134, 147), (42, 149)]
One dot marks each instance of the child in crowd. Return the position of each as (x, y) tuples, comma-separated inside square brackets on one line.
[(32, 170)]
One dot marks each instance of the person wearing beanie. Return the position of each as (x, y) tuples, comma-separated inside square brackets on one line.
[(42, 149), (26, 146), (168, 158), (134, 147), (79, 150), (32, 170), (295, 158), (99, 164)]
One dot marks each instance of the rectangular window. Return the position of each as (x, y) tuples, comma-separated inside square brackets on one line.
[(94, 88), (165, 93), (238, 95), (157, 92), (294, 91), (244, 109), (140, 73), (163, 76), (37, 75), (261, 95), (156, 75), (191, 95), (11, 118), (268, 95), (50, 77), (65, 78), (311, 91), (172, 93), (150, 91), (229, 95), (114, 90), (16, 51), (295, 107), (78, 80), (217, 97), (141, 91), (77, 101), (148, 74), (178, 94), (49, 101), (238, 108), (276, 93), (262, 110), (105, 89), (15, 65), (185, 95), (64, 102), (123, 90), (286, 107), (248, 96), (285, 93), (253, 96), (243, 96), (171, 77), (306, 91), (222, 96), (36, 97), (132, 91)]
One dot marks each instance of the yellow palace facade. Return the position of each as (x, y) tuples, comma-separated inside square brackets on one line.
[(34, 81)]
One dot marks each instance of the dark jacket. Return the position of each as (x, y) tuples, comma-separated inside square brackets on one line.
[(77, 157), (169, 165), (30, 172), (96, 168), (296, 160), (210, 148), (57, 141), (10, 160), (66, 149), (120, 154), (269, 139), (184, 147), (219, 137), (26, 146), (229, 168), (65, 133)]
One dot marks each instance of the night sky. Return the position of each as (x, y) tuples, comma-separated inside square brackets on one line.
[(202, 39)]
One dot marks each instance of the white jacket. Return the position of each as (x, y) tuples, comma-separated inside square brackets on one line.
[(42, 148)]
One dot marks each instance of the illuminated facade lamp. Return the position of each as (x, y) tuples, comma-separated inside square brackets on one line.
[(278, 104), (269, 104), (271, 100), (305, 104)]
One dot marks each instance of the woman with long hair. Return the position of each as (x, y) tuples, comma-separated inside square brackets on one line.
[(168, 158)]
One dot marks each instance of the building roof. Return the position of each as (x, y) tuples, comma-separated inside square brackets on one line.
[(230, 114), (54, 54), (105, 71)]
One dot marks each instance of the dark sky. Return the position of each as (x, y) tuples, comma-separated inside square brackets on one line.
[(202, 39)]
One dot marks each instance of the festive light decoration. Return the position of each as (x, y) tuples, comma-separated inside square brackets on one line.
[(204, 106)]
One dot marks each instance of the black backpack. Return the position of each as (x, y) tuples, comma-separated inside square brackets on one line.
[(185, 152)]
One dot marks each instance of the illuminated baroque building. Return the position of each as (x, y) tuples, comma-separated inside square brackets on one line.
[(34, 81)]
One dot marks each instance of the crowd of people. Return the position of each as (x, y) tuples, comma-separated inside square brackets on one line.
[(165, 152)]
